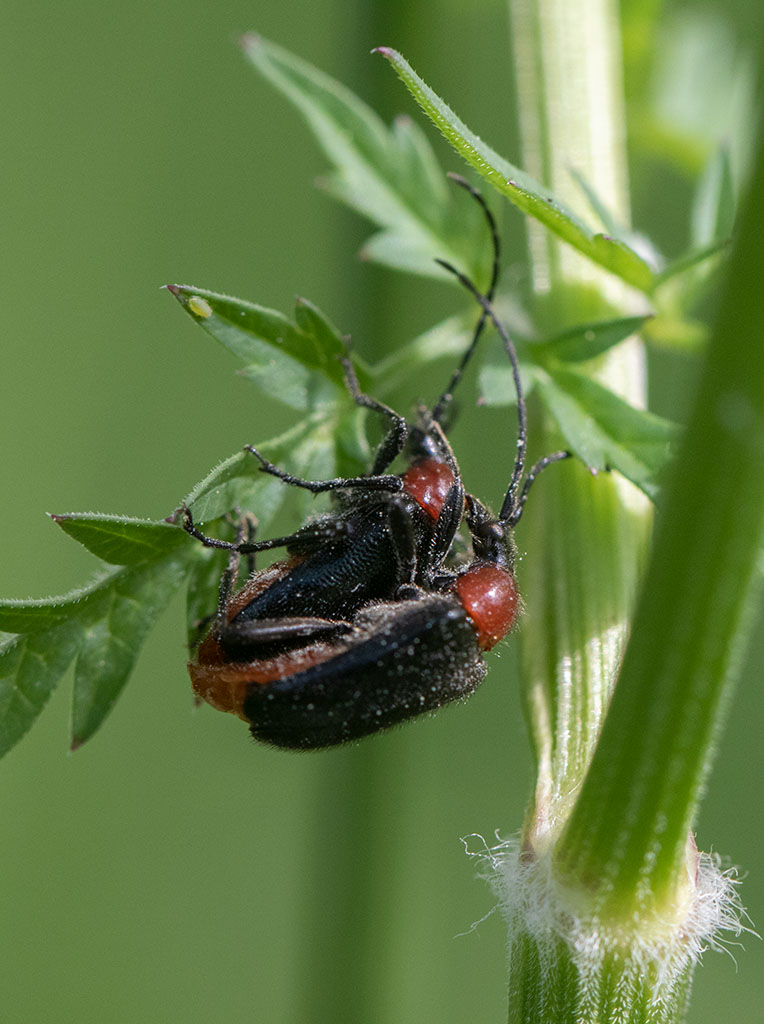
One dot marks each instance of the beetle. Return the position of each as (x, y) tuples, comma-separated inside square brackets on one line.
[(396, 658), (386, 532), (311, 661)]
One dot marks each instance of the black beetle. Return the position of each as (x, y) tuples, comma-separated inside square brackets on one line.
[(395, 659), (365, 625), (385, 532)]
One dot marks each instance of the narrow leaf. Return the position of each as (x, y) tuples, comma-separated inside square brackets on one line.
[(30, 668), (116, 621), (240, 482), (528, 195), (278, 354), (691, 260), (121, 540), (713, 208), (328, 340), (588, 341), (32, 616), (605, 431), (390, 176)]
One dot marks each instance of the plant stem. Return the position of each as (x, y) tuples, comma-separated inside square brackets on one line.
[(627, 836), (608, 902), (588, 538)]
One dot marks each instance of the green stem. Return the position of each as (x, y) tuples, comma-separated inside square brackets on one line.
[(587, 537), (627, 836)]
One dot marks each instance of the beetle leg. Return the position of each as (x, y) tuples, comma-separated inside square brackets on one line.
[(288, 629), (392, 444), (446, 526), (532, 474), (250, 522), (404, 542), (228, 583), (306, 537), (374, 483)]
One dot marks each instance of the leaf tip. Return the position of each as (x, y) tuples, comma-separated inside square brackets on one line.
[(387, 51), (75, 745)]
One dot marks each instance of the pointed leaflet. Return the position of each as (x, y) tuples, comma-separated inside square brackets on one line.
[(587, 341), (604, 430), (390, 176), (30, 668), (278, 354), (105, 622), (528, 195), (121, 540), (116, 622)]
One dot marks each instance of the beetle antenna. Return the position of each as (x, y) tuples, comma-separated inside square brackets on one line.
[(510, 504), (445, 399)]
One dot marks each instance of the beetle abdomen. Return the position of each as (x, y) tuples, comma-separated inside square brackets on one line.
[(403, 659)]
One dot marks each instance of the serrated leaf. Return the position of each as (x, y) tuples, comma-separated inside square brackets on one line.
[(240, 482), (33, 616), (105, 621), (605, 431), (327, 338), (588, 341), (121, 540), (280, 356), (116, 619), (390, 176), (528, 195), (30, 668)]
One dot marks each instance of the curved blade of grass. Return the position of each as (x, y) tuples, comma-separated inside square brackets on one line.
[(528, 195)]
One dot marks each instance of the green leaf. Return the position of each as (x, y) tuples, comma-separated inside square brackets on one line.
[(528, 195), (713, 208), (36, 615), (104, 624), (390, 176), (279, 354), (327, 338), (588, 341), (30, 668), (116, 619), (605, 431), (690, 261), (121, 540), (240, 482)]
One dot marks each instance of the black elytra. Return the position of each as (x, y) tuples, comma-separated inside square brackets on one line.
[(364, 626)]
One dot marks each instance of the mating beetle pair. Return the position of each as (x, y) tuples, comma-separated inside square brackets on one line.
[(367, 623)]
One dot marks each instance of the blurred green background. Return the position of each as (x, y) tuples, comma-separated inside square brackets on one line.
[(171, 871)]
